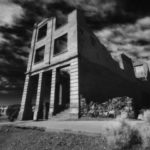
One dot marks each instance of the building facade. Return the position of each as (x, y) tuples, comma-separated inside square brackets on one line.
[(67, 62)]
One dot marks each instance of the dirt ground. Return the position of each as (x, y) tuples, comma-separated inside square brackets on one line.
[(12, 138), (73, 135)]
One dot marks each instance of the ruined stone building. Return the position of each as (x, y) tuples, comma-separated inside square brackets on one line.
[(67, 62)]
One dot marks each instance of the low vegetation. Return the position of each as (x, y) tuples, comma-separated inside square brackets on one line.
[(12, 112), (125, 137), (33, 139)]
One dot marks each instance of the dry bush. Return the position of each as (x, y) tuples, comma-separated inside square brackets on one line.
[(127, 138), (146, 116)]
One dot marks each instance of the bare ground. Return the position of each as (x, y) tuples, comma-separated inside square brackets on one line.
[(69, 135), (12, 138)]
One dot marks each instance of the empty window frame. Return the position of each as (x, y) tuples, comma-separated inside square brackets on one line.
[(42, 32), (60, 44), (61, 20), (39, 54)]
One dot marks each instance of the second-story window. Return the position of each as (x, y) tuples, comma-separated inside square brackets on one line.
[(39, 54), (61, 20), (42, 32), (60, 44)]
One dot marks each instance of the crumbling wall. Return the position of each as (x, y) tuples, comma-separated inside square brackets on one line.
[(112, 108)]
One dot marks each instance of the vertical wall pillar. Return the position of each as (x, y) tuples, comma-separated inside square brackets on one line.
[(29, 66), (49, 40), (38, 97), (74, 89), (52, 95), (24, 98)]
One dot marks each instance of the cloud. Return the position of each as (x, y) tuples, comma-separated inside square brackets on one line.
[(9, 12), (94, 7), (4, 92), (133, 39), (144, 23), (3, 61), (120, 25), (2, 39)]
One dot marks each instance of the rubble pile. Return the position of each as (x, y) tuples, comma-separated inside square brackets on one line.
[(109, 109)]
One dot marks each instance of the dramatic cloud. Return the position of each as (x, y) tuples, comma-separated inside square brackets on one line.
[(122, 25), (133, 39), (9, 12), (2, 40), (95, 7)]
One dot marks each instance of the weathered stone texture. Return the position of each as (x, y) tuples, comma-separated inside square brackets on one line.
[(85, 68)]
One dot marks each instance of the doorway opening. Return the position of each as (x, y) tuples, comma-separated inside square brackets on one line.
[(45, 96), (62, 96), (31, 98)]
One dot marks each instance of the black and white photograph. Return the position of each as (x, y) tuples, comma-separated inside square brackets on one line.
[(74, 75)]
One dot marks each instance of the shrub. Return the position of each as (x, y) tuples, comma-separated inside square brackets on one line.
[(127, 138), (146, 116), (12, 111)]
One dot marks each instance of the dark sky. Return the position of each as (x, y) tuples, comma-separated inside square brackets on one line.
[(121, 25)]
